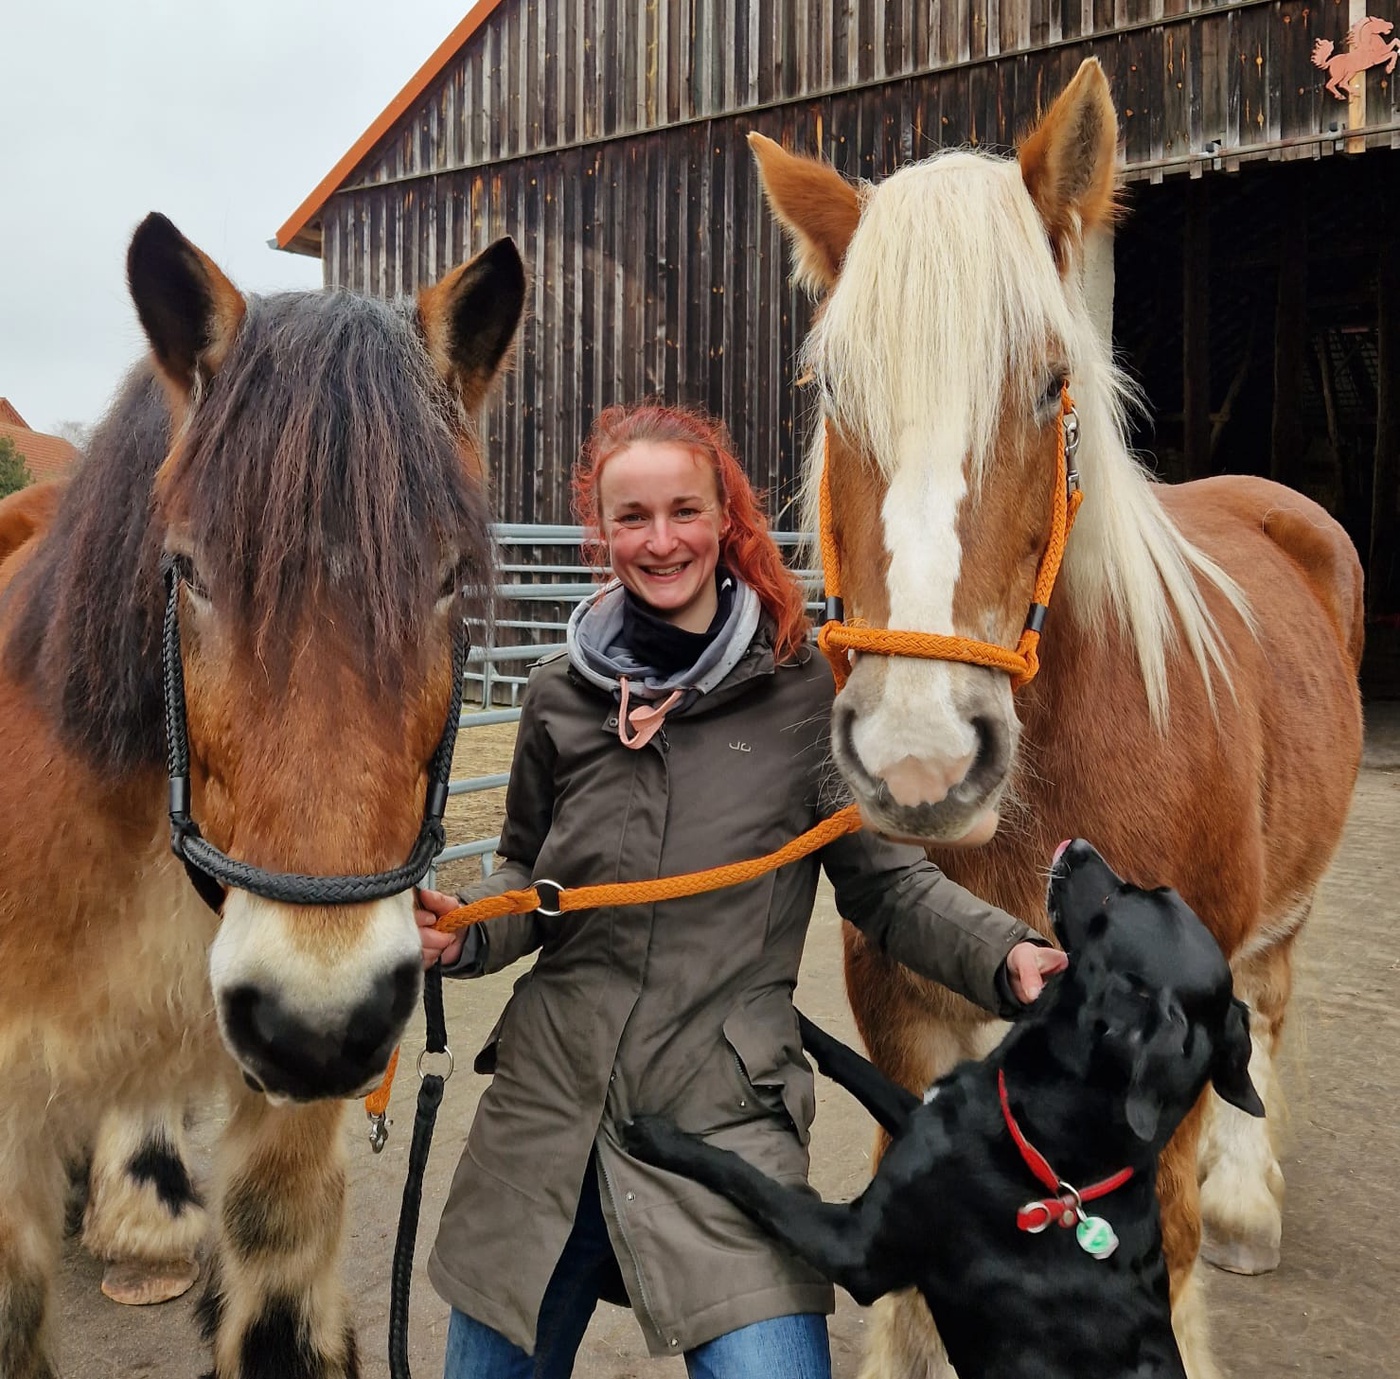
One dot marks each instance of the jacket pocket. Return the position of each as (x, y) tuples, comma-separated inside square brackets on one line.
[(765, 1038), (486, 1057)]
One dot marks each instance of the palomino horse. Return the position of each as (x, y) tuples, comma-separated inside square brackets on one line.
[(141, 1214), (1196, 712), (301, 469)]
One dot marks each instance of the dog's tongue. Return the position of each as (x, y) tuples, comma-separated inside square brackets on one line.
[(1059, 851)]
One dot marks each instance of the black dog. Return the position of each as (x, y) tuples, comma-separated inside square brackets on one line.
[(973, 1202)]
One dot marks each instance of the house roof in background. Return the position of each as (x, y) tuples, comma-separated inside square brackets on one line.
[(46, 457)]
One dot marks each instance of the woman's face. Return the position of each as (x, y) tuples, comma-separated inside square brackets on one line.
[(660, 512)]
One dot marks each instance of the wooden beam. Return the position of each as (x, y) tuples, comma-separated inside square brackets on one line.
[(1195, 330), (1383, 562), (1288, 441)]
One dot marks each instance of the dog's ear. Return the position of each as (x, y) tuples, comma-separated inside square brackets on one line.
[(1230, 1069), (1154, 1062)]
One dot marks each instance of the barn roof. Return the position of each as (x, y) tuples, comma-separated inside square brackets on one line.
[(302, 232)]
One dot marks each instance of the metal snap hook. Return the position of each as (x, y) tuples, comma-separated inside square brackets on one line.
[(1070, 421)]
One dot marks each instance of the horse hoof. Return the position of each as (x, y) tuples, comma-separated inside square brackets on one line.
[(1240, 1256), (140, 1284)]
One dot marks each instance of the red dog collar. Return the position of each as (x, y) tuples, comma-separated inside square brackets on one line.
[(1066, 1207)]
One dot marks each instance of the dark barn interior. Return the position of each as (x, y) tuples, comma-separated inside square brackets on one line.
[(1258, 310)]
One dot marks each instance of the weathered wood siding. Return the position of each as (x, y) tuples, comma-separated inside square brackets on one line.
[(607, 136)]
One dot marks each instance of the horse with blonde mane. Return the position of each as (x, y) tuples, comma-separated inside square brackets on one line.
[(1195, 713), (266, 558)]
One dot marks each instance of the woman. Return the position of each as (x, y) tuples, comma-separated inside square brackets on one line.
[(684, 728)]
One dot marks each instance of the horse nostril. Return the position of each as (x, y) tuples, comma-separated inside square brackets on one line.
[(986, 741), (253, 1083)]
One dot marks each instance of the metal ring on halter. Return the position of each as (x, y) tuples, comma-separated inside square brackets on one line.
[(444, 1053), (558, 892)]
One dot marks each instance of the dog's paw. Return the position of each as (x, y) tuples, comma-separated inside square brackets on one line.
[(654, 1140)]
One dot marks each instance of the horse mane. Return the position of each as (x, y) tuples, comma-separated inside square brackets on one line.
[(323, 461), (949, 308)]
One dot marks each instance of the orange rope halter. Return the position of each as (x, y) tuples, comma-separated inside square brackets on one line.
[(567, 899), (837, 638)]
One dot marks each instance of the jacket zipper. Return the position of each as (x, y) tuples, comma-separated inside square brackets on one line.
[(646, 1308)]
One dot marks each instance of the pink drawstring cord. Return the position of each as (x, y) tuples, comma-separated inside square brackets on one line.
[(645, 719)]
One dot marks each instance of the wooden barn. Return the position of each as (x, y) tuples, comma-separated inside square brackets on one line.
[(1256, 297)]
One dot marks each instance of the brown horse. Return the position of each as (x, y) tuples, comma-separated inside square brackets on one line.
[(141, 1213), (304, 466), (1196, 713)]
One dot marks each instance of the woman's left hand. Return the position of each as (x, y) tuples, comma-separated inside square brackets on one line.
[(1028, 965)]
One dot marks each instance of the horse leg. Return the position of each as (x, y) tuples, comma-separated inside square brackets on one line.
[(143, 1217), (1241, 1181), (273, 1303), (1179, 1198), (903, 1341), (31, 1228)]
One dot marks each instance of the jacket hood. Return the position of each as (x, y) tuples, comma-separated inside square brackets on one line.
[(598, 653)]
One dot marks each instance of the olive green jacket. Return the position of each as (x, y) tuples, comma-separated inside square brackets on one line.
[(682, 1007)]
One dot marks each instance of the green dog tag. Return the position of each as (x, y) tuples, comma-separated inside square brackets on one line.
[(1096, 1237)]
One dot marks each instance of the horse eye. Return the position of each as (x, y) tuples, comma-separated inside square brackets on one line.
[(451, 584), (1051, 395), (188, 575)]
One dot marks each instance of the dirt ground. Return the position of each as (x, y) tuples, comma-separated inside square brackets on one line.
[(1328, 1313)]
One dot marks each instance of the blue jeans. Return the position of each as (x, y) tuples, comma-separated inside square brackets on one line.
[(783, 1348)]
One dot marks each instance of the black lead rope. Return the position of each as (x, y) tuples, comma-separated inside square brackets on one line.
[(213, 873), (429, 1099)]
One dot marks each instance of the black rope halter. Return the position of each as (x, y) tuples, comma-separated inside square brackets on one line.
[(214, 873)]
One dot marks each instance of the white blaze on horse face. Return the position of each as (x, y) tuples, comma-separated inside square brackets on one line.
[(913, 736), (311, 999)]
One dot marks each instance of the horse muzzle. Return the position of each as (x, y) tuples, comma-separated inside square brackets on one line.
[(924, 796), (311, 1003)]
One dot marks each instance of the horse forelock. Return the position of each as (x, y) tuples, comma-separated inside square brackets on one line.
[(324, 468), (322, 463), (949, 310)]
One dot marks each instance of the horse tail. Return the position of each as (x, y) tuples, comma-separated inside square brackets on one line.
[(1328, 560), (1322, 51)]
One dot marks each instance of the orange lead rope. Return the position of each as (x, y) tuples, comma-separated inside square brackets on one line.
[(571, 898), (838, 638)]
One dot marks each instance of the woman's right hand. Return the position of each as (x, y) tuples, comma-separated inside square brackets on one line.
[(428, 908)]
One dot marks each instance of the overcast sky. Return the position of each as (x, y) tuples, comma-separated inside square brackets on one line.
[(223, 114)]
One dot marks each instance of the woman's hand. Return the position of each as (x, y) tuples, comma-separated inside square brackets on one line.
[(1028, 965), (428, 908)]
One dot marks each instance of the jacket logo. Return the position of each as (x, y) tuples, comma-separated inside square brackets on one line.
[(740, 747)]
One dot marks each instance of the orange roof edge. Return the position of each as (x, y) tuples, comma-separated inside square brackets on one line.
[(300, 219)]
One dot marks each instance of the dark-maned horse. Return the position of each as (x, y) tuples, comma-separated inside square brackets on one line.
[(141, 1214), (307, 464), (1196, 713)]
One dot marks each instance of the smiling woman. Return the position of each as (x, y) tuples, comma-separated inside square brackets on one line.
[(685, 728)]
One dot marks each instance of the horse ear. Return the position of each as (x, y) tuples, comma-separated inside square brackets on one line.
[(1068, 162), (816, 205), (1229, 1071), (188, 309), (469, 319)]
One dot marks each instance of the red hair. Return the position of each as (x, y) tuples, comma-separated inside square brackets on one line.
[(746, 547)]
